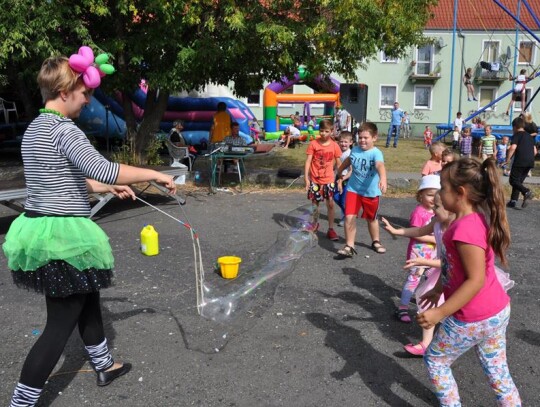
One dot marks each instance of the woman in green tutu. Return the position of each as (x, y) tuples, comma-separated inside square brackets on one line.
[(54, 248)]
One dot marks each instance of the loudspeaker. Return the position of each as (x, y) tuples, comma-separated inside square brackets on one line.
[(353, 97)]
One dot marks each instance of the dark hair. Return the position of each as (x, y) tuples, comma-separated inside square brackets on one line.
[(235, 124), (221, 106), (326, 124), (518, 123), (458, 114), (370, 127), (485, 192)]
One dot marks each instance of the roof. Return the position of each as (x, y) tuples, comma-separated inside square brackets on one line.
[(483, 15)]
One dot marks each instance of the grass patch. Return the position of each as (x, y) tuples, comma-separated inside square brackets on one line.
[(409, 157)]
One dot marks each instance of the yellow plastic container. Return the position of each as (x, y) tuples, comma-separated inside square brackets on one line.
[(149, 241), (229, 266)]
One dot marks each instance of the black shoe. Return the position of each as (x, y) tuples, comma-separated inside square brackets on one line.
[(106, 377), (395, 146), (387, 146), (526, 197), (511, 204)]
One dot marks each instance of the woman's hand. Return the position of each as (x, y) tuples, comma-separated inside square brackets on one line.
[(122, 191), (167, 181)]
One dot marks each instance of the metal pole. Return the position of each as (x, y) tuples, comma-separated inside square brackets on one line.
[(516, 60), (452, 63), (460, 35), (517, 20), (531, 11)]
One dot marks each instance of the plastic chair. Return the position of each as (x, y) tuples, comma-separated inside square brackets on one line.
[(7, 110), (178, 153)]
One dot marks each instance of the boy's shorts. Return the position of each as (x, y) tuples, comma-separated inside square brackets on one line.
[(355, 202), (319, 193)]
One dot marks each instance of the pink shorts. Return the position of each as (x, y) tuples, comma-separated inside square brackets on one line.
[(355, 202)]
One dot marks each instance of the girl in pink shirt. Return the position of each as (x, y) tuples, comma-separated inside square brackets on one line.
[(477, 308)]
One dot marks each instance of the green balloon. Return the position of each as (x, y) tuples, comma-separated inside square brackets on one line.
[(106, 68), (102, 59)]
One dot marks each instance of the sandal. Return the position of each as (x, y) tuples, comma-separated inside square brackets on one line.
[(403, 315), (347, 251), (378, 247)]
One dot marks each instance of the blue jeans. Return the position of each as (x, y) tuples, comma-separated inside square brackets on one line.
[(390, 131)]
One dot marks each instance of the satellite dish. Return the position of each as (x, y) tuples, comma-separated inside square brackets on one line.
[(508, 53), (440, 42)]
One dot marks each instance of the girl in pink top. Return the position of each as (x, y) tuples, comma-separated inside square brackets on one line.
[(477, 308)]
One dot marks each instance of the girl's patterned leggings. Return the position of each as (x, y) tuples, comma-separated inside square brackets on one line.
[(488, 337)]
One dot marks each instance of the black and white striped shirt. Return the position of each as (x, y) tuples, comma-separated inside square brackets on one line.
[(57, 159)]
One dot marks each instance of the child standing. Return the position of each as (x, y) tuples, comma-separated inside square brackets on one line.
[(437, 226), (311, 129), (420, 246), (53, 247), (434, 164), (455, 138), (366, 184), (488, 144), (476, 309), (345, 143), (465, 147), (502, 146), (322, 156), (428, 137)]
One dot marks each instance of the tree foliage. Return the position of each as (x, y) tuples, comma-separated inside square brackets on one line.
[(183, 45)]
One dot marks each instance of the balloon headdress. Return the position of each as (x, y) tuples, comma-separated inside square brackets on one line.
[(92, 70)]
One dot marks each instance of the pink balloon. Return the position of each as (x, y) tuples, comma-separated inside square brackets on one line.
[(79, 63), (87, 53), (91, 77)]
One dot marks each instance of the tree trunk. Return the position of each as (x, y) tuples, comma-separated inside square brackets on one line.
[(141, 135)]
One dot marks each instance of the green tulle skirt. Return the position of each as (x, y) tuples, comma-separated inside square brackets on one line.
[(59, 256)]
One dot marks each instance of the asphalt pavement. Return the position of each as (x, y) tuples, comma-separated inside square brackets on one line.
[(321, 333)]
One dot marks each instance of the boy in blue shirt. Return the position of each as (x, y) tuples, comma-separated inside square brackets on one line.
[(366, 184)]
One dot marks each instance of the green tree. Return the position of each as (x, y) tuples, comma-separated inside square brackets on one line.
[(182, 45)]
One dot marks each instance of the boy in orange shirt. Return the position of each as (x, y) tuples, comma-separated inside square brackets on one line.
[(323, 154)]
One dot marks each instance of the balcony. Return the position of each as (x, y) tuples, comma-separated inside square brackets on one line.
[(424, 72), (497, 73)]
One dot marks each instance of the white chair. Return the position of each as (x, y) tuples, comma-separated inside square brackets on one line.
[(4, 108), (178, 154)]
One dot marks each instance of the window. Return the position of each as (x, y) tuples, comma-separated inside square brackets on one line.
[(422, 96), (518, 107), (388, 96), (386, 59), (491, 51), (488, 95), (254, 99), (424, 60), (526, 50)]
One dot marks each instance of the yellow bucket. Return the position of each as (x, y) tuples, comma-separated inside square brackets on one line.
[(229, 266)]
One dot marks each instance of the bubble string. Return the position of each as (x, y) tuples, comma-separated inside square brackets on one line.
[(197, 254)]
